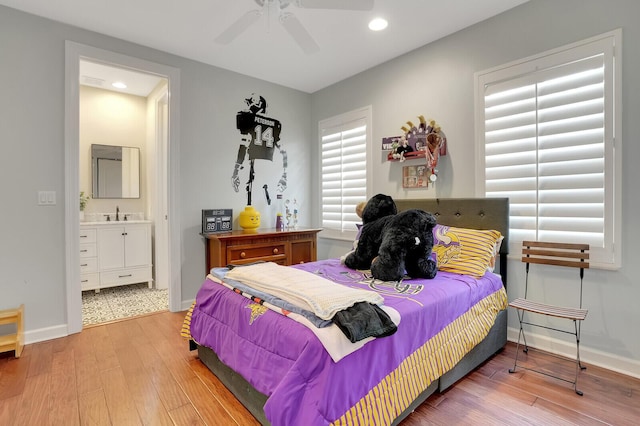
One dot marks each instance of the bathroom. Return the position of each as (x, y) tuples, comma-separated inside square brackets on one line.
[(116, 174)]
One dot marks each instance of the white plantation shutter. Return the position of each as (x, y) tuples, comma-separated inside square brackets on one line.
[(343, 141), (548, 144)]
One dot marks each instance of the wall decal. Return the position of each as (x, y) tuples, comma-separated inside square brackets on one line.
[(260, 136)]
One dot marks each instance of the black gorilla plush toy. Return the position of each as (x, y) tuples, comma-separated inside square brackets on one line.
[(391, 243)]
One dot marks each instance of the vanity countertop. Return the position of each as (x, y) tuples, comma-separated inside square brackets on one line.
[(114, 222)]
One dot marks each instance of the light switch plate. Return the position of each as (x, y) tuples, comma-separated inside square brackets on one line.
[(46, 198)]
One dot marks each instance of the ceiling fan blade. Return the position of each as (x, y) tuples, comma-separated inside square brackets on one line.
[(301, 36), (238, 27), (336, 4)]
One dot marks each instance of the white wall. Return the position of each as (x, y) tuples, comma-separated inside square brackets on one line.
[(32, 75), (437, 81), (112, 118)]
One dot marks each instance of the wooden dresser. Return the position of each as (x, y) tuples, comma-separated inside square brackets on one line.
[(270, 245)]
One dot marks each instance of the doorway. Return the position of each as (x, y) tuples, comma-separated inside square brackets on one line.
[(163, 179)]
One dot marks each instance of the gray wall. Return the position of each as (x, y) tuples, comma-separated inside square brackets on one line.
[(437, 81), (32, 107)]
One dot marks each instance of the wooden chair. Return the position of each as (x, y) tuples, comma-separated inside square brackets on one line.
[(559, 254)]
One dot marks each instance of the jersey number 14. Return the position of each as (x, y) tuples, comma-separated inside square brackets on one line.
[(263, 135)]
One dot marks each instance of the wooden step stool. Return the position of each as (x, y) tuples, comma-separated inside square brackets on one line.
[(13, 342)]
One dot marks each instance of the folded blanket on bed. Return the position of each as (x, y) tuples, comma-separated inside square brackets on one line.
[(305, 289), (333, 338), (220, 275)]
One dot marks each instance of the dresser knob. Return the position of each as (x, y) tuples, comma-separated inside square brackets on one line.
[(243, 255), (275, 251)]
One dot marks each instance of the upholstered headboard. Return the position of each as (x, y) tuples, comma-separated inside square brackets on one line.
[(475, 213)]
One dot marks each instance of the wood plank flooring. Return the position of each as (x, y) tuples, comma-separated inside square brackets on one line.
[(140, 372)]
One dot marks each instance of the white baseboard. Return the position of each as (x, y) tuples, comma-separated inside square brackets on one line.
[(47, 333), (186, 304), (627, 366), (57, 331)]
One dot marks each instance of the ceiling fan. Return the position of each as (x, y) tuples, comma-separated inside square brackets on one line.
[(288, 20)]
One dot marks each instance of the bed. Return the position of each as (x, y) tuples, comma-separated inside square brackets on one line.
[(280, 371)]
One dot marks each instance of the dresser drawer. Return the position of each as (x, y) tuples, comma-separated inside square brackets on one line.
[(302, 251), (87, 235), (272, 252), (88, 250), (89, 281), (89, 264), (125, 276)]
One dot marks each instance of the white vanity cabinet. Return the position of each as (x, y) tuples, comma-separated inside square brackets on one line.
[(123, 254), (89, 276)]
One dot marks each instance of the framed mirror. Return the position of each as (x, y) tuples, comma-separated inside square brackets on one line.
[(115, 171)]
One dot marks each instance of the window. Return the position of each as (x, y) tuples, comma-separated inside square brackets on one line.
[(547, 141), (343, 145)]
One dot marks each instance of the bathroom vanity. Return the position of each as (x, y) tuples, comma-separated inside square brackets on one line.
[(115, 253)]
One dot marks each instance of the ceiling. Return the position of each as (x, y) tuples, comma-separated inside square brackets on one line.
[(188, 28), (104, 76)]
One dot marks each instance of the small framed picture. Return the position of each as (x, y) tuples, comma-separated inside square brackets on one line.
[(415, 177)]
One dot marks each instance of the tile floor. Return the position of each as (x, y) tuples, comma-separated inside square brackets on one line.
[(122, 302)]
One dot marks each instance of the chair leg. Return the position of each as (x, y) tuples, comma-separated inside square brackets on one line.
[(582, 367), (520, 335), (524, 336), (579, 365)]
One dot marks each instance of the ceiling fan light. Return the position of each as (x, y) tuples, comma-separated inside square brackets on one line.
[(378, 24)]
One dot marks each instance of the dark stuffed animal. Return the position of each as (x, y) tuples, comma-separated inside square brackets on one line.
[(407, 240), (375, 215), (391, 244), (377, 207)]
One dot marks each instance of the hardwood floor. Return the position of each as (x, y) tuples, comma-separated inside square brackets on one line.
[(140, 372)]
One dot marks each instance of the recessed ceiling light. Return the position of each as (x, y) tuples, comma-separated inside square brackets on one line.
[(119, 85), (378, 24)]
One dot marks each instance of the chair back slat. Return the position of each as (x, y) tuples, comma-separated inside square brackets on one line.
[(568, 246), (560, 254), (557, 262)]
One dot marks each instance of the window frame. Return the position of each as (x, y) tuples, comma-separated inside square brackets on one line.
[(601, 257), (360, 114)]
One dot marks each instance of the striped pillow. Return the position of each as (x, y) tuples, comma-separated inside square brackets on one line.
[(464, 251)]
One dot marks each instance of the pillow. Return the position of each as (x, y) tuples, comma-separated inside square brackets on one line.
[(465, 251), (494, 255)]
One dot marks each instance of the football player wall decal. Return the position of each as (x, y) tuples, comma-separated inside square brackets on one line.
[(260, 137)]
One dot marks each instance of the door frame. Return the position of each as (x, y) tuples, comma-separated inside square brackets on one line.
[(158, 101), (74, 52)]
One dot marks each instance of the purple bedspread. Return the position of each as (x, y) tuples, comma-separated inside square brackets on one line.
[(284, 360)]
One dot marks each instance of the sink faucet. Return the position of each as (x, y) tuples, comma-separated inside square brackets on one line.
[(117, 213)]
